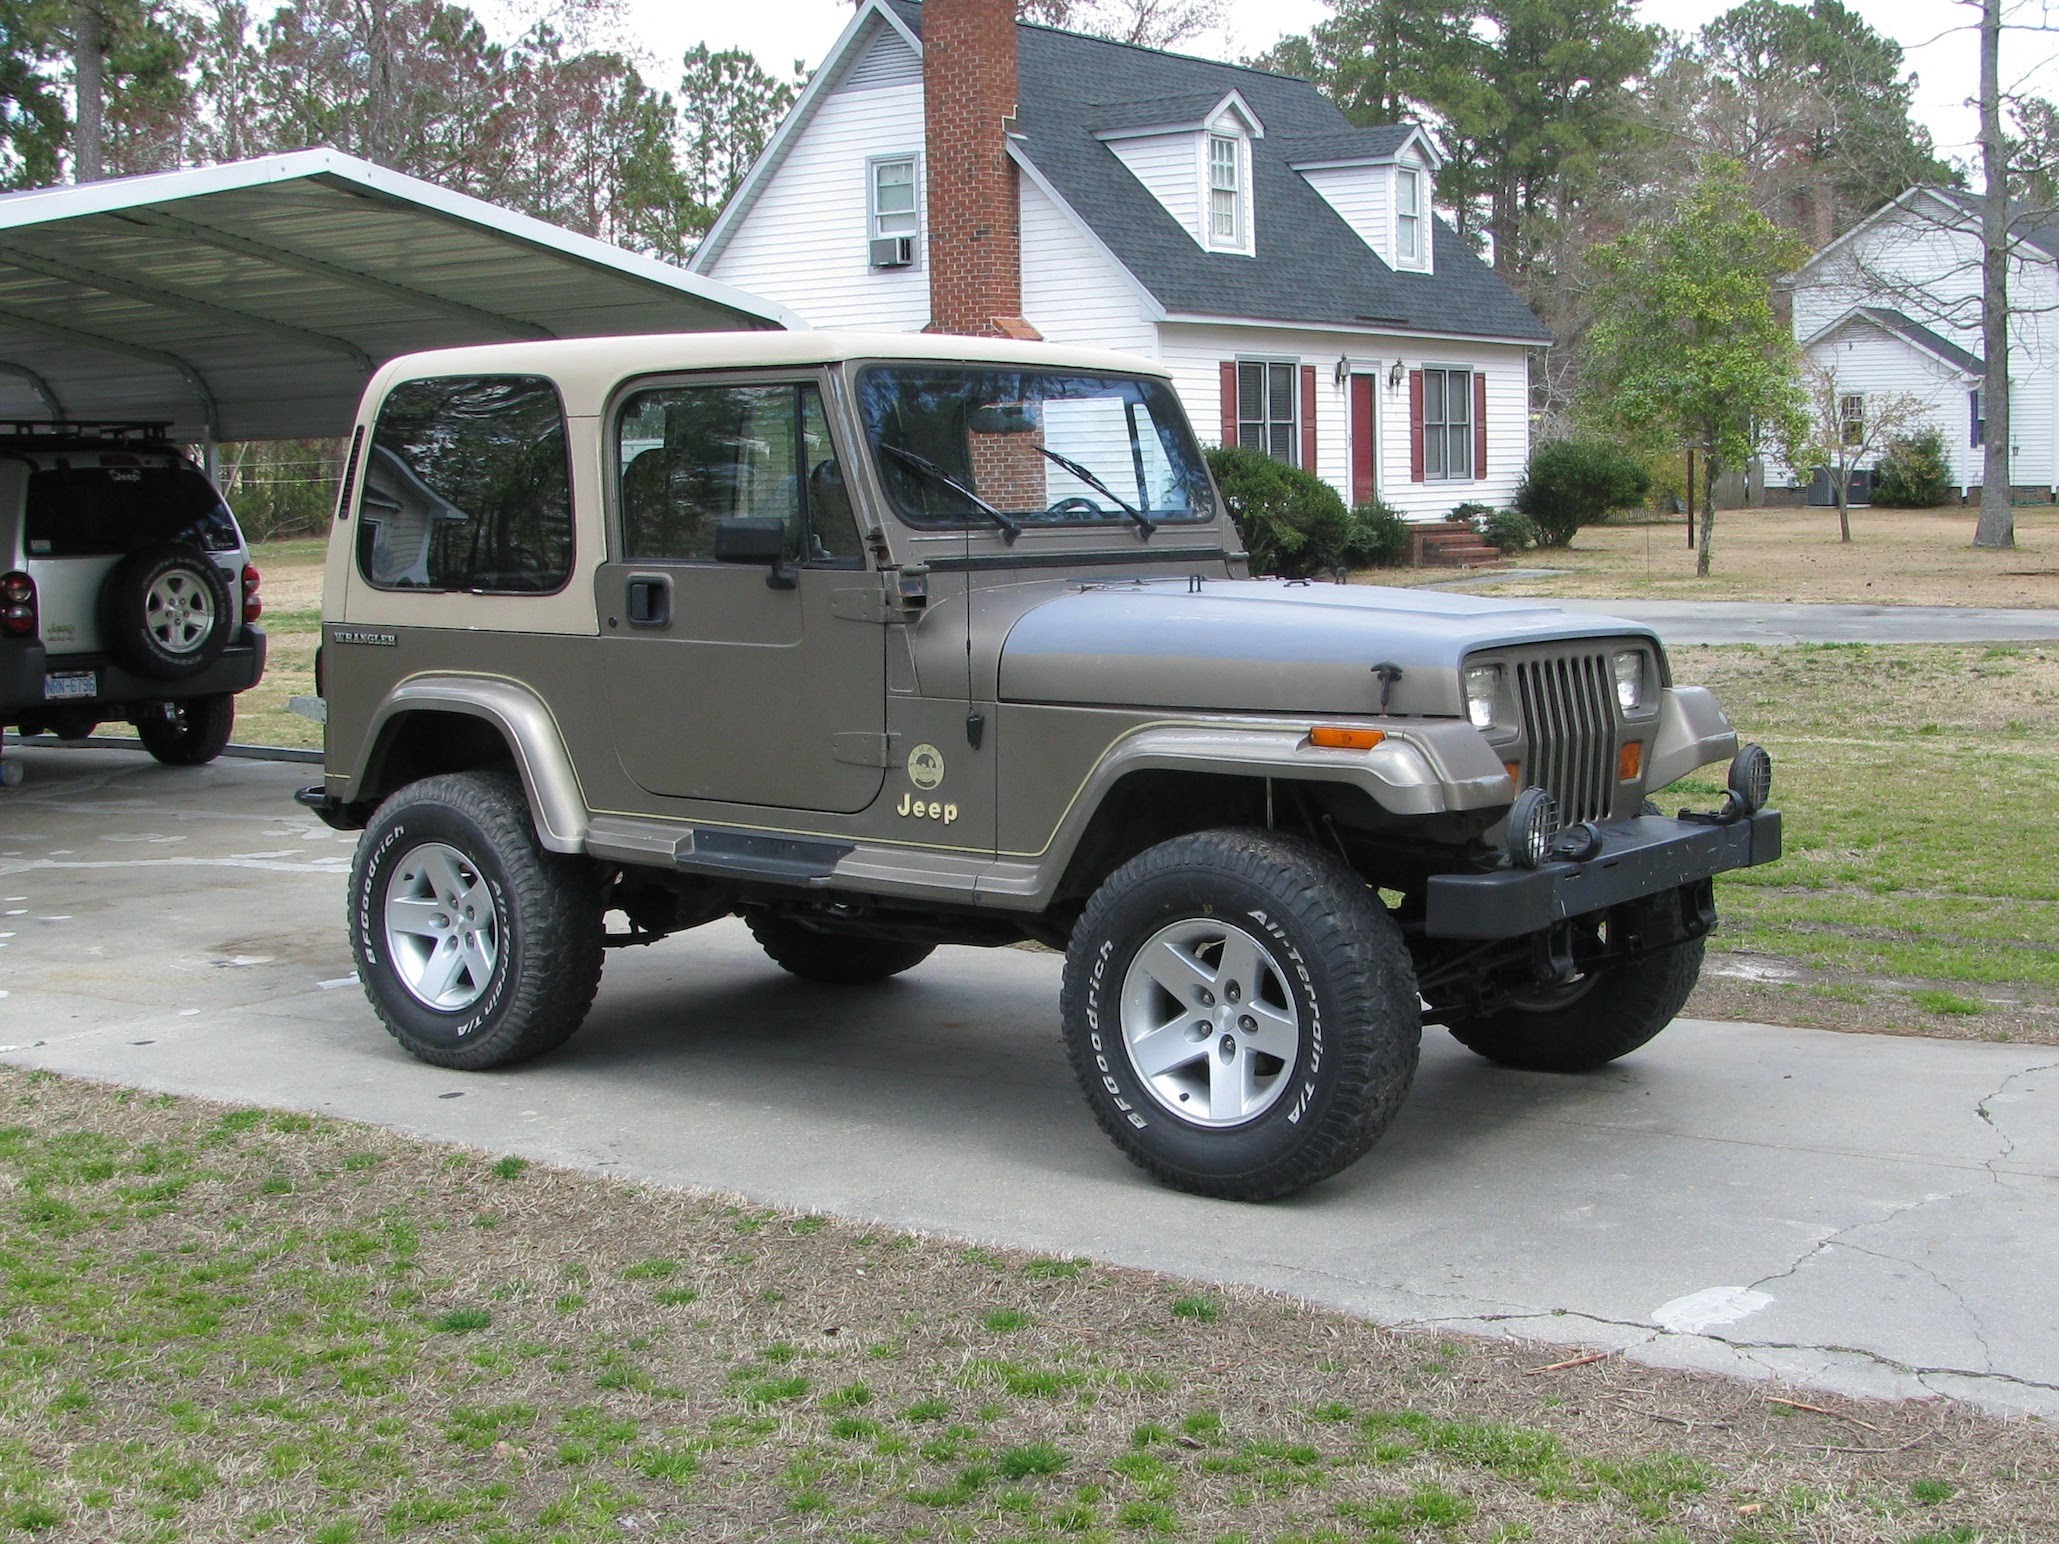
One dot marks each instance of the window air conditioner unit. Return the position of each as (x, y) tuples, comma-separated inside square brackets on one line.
[(893, 251)]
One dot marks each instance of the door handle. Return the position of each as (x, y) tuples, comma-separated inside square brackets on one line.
[(648, 602)]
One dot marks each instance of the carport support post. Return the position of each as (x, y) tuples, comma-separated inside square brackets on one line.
[(211, 461)]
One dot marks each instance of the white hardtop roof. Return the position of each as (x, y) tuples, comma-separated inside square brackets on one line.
[(254, 300), (587, 370)]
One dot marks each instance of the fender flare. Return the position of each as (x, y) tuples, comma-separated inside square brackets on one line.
[(556, 802)]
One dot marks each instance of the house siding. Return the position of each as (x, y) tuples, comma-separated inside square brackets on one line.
[(1360, 195), (1169, 166), (805, 243), (1071, 291), (1866, 359)]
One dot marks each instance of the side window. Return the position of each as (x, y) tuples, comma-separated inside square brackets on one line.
[(690, 457), (467, 487)]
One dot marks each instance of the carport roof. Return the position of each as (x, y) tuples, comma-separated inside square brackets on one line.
[(254, 300)]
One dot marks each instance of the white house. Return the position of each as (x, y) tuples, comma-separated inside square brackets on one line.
[(1893, 307), (1231, 223)]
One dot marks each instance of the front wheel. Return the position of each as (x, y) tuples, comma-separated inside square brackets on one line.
[(1241, 1013), (1591, 1022), (476, 947), (190, 733)]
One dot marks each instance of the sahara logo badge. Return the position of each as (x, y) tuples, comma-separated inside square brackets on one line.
[(925, 771)]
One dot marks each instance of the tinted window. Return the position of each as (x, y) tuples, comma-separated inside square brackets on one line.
[(467, 487), (692, 456), (106, 511)]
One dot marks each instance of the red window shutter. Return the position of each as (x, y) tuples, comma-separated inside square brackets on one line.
[(1479, 423), (1229, 402), (1415, 426), (1308, 417), (1362, 489)]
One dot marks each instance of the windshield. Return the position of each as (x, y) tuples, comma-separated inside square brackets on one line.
[(1042, 447)]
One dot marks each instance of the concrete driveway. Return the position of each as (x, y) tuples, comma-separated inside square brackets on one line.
[(1868, 1214)]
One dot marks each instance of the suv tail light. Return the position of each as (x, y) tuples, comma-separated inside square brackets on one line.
[(253, 601), (17, 605)]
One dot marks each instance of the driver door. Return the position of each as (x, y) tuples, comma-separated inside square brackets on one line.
[(729, 681)]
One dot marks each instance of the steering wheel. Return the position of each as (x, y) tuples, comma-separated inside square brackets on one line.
[(1075, 506)]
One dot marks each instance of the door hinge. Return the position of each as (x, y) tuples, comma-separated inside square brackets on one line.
[(863, 749)]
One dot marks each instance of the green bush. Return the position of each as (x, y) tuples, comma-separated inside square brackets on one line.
[(1508, 530), (1293, 523), (1572, 483), (1474, 515), (1379, 537), (1913, 472)]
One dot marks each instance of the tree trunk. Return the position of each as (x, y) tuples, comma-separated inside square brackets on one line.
[(1701, 558), (1844, 513), (1997, 526), (89, 60)]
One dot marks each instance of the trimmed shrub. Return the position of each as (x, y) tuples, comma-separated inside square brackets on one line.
[(1293, 523), (1474, 515), (1508, 530), (1379, 537), (1913, 472), (1572, 483)]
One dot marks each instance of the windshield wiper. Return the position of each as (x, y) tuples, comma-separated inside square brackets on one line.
[(1085, 474), (1010, 526)]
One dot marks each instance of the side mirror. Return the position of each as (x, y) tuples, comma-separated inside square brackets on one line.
[(750, 539)]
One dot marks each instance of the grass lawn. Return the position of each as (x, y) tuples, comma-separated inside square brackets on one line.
[(1897, 557), (233, 1324)]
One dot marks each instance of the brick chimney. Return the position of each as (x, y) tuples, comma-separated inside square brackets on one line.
[(975, 217)]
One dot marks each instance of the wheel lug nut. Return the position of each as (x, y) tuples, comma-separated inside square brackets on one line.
[(1207, 997), (1247, 1023)]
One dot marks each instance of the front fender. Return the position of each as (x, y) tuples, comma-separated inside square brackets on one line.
[(532, 735)]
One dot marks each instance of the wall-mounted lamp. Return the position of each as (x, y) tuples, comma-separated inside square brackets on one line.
[(1394, 377), (1343, 371)]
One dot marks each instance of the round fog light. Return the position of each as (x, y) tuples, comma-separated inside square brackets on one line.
[(1532, 820), (1751, 779)]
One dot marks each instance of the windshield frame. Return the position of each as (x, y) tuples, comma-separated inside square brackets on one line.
[(1202, 516)]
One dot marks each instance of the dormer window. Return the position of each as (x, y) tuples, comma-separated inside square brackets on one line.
[(1408, 218), (1225, 191)]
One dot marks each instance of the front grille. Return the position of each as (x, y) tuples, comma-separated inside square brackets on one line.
[(1568, 707)]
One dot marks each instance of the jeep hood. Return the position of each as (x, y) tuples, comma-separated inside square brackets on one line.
[(1265, 645)]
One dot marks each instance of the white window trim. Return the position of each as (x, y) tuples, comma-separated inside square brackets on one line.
[(1294, 434), (1472, 373), (1845, 422), (1420, 263), (872, 231), (1246, 244)]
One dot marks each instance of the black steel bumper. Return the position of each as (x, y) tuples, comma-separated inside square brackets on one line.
[(1646, 855), (22, 667)]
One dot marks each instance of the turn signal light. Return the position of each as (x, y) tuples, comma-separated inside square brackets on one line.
[(253, 600), (1336, 737), (1630, 760), (17, 605), (1515, 771)]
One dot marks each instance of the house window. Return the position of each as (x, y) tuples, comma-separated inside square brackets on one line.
[(893, 197), (1225, 191), (1977, 411), (1408, 216), (1447, 424), (1267, 416), (1851, 418)]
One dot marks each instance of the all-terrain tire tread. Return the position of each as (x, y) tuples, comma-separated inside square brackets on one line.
[(558, 899), (1628, 1007), (1363, 956), (834, 959)]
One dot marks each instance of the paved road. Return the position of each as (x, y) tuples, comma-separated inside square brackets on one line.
[(1730, 621), (1868, 1214)]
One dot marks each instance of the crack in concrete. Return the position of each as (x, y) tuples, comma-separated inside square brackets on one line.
[(1984, 1109)]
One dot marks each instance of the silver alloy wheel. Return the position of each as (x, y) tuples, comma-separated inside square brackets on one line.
[(179, 611), (1209, 1022), (442, 932)]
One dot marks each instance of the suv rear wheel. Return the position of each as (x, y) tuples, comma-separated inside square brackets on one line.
[(165, 611), (190, 733), (476, 947), (834, 959), (1241, 1013)]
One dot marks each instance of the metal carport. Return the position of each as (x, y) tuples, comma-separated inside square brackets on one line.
[(253, 300)]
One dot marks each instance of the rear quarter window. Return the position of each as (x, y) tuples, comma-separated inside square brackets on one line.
[(110, 511), (467, 486)]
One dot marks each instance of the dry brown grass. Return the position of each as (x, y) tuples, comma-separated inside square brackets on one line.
[(231, 1324)]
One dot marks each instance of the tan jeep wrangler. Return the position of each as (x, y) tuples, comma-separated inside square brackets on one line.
[(888, 641)]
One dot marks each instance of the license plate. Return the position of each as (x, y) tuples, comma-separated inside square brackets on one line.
[(71, 685)]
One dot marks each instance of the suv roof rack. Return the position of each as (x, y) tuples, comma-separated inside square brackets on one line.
[(135, 433)]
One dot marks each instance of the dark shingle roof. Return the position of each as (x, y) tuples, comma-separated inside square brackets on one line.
[(1311, 267), (1347, 144), (1113, 116), (1907, 327)]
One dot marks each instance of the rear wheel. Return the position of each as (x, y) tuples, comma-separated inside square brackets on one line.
[(834, 959), (190, 733), (476, 947), (1241, 1013), (1591, 1022)]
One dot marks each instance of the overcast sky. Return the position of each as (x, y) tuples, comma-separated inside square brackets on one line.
[(1937, 35)]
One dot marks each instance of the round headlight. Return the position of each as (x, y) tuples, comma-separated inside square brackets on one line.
[(1483, 694), (1532, 820), (1751, 778), (1630, 680)]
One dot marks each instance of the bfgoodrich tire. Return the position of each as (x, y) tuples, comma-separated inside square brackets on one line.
[(190, 733), (1592, 1022), (834, 959), (476, 947), (1241, 1013), (164, 612)]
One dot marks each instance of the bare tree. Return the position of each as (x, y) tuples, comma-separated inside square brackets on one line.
[(1847, 426), (1152, 23)]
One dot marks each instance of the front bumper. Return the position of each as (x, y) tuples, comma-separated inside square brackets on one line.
[(1644, 855), (22, 668)]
